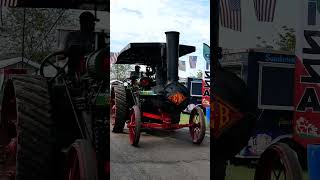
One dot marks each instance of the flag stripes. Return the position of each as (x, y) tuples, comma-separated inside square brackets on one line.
[(193, 62), (8, 3), (265, 9), (230, 13), (113, 57)]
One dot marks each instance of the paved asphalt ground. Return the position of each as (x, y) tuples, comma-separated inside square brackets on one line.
[(161, 155)]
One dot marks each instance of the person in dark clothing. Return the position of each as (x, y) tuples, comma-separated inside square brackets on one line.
[(80, 43)]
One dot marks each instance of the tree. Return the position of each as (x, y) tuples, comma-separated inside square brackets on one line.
[(120, 71), (39, 38), (199, 74), (286, 40)]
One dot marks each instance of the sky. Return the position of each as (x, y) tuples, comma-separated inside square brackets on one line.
[(148, 20)]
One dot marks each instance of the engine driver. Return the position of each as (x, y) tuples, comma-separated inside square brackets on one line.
[(80, 43)]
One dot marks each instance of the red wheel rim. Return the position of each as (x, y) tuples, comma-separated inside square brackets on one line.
[(8, 132), (73, 171), (195, 128), (132, 125), (113, 114)]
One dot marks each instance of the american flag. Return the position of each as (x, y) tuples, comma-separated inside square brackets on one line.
[(230, 13), (265, 9), (8, 3), (193, 61), (113, 57), (182, 65)]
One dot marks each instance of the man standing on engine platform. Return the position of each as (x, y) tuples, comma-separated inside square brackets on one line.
[(80, 43)]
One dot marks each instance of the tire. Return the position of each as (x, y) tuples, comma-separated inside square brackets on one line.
[(135, 126), (278, 152), (120, 108), (81, 161), (33, 130), (200, 126), (300, 150)]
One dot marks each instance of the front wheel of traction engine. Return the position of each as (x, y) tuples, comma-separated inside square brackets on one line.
[(134, 125), (278, 162), (81, 162), (198, 125), (26, 129), (118, 108)]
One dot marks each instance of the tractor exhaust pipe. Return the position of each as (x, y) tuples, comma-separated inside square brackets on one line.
[(172, 48)]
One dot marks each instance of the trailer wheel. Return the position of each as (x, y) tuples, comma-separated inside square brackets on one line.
[(198, 125), (119, 108), (26, 129), (134, 126), (278, 161), (81, 161)]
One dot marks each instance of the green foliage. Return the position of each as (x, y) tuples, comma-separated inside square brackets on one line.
[(38, 41), (120, 71), (286, 40), (199, 74)]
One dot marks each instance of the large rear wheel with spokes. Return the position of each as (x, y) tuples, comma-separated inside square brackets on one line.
[(278, 162), (134, 126), (197, 127)]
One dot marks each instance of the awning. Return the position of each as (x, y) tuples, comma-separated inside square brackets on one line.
[(148, 53)]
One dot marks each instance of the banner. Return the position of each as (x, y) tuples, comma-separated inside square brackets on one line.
[(206, 54), (307, 75), (193, 61), (206, 89), (182, 65), (206, 77)]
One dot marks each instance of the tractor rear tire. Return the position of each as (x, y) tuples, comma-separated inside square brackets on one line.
[(26, 112), (121, 108)]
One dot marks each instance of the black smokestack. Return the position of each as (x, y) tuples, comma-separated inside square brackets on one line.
[(172, 48)]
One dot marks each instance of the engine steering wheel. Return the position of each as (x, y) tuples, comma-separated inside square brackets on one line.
[(47, 60)]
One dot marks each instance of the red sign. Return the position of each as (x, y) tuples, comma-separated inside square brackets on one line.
[(206, 89), (307, 109), (307, 75)]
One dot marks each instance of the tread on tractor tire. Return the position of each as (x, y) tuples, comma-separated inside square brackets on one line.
[(121, 108), (26, 117), (275, 155)]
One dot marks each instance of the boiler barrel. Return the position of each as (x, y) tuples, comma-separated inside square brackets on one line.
[(98, 65)]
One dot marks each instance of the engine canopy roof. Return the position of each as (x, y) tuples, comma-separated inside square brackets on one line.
[(148, 53)]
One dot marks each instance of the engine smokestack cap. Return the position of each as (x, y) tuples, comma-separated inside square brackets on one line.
[(172, 32)]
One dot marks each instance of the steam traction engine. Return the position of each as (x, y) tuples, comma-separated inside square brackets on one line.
[(154, 99), (55, 126)]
